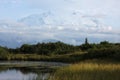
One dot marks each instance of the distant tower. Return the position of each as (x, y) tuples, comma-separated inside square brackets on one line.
[(86, 41)]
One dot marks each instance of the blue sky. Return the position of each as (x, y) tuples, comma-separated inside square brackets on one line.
[(96, 19), (15, 9)]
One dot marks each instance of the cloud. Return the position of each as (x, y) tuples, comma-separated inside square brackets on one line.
[(72, 23), (66, 20), (72, 35), (11, 2)]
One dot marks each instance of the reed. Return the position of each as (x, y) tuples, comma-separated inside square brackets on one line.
[(88, 71)]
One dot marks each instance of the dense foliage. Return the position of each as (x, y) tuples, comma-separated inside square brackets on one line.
[(45, 48), (59, 51)]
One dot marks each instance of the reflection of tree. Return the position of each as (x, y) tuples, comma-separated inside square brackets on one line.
[(3, 69), (43, 76), (35, 73), (24, 70), (37, 70), (21, 69)]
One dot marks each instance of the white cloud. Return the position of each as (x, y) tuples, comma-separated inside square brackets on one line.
[(60, 27), (65, 20), (70, 35)]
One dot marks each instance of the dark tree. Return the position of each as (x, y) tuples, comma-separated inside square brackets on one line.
[(86, 41)]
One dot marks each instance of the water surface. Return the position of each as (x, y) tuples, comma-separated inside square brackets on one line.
[(27, 70)]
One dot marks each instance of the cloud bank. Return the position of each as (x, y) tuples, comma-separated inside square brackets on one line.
[(70, 21), (37, 28)]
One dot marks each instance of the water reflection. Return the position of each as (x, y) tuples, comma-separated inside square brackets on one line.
[(43, 76), (16, 75), (26, 70), (23, 74)]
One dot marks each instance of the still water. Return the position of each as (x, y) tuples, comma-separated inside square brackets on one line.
[(27, 70)]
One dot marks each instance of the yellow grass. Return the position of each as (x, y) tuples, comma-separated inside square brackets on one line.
[(88, 71)]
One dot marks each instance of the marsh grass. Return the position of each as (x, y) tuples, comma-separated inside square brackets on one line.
[(69, 58), (88, 71)]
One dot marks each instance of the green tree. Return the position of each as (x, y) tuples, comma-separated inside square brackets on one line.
[(86, 45)]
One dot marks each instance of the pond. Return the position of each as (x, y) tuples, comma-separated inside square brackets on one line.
[(27, 70)]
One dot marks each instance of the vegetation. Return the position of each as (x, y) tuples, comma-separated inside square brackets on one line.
[(105, 67), (98, 62), (88, 71), (45, 48), (62, 52)]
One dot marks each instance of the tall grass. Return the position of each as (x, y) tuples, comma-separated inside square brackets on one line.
[(88, 71)]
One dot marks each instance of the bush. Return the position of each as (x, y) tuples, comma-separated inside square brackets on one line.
[(4, 54), (111, 52)]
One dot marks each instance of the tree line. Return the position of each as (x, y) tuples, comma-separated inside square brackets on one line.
[(103, 49), (45, 48)]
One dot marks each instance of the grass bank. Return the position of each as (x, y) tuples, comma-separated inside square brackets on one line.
[(88, 71), (66, 58)]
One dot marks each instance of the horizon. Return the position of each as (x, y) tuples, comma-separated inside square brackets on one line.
[(60, 42), (68, 21)]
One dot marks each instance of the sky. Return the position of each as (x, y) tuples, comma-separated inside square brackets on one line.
[(69, 21)]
